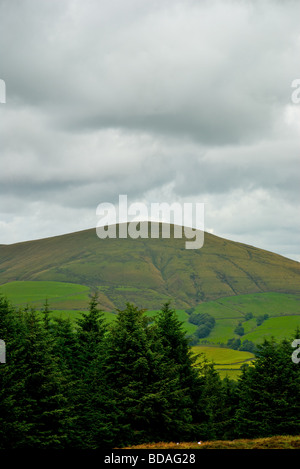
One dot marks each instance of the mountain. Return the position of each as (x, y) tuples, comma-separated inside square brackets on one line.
[(149, 271)]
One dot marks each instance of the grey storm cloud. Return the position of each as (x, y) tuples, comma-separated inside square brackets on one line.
[(178, 99)]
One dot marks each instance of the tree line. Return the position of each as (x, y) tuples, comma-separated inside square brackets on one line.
[(133, 381), (204, 322)]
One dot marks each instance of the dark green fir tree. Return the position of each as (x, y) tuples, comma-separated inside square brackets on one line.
[(269, 393)]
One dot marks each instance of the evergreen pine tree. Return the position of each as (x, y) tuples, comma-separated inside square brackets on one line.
[(269, 393), (230, 400), (45, 388), (177, 352), (13, 411), (211, 409), (65, 345), (46, 314), (91, 394), (147, 395), (91, 329), (34, 410)]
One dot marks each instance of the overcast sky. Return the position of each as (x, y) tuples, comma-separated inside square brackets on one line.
[(161, 100)]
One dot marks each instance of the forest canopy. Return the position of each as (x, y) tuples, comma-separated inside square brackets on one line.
[(133, 381)]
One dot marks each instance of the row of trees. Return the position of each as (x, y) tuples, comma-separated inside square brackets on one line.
[(245, 346), (133, 381), (204, 322)]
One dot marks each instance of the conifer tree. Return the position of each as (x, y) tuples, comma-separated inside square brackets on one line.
[(177, 352), (230, 401), (46, 314), (212, 412), (65, 344), (13, 419), (91, 395), (269, 393), (45, 388), (34, 410), (91, 328), (147, 394), (127, 369)]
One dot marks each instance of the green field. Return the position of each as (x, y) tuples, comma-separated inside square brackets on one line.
[(60, 295), (280, 328), (272, 303), (283, 310), (69, 300), (227, 361)]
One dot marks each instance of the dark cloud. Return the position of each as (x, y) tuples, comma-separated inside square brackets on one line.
[(163, 99)]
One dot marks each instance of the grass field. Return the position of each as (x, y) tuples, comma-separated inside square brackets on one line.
[(227, 361), (69, 300), (283, 310), (280, 328), (223, 356), (60, 295), (236, 307)]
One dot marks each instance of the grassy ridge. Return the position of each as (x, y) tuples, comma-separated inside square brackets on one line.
[(274, 442), (148, 272)]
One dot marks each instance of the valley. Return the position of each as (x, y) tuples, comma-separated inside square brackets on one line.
[(233, 283)]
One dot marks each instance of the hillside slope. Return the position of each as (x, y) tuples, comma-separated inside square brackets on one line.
[(150, 271)]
